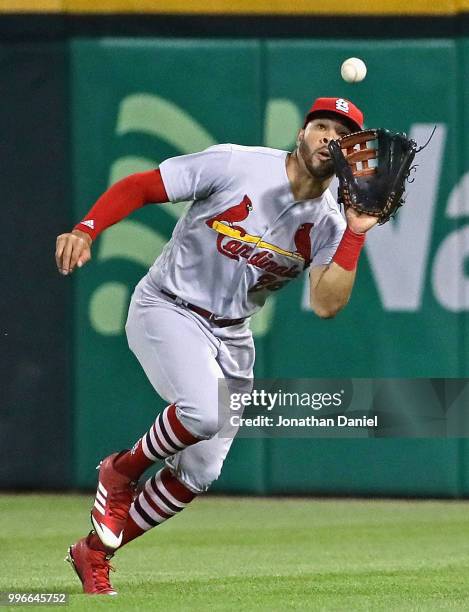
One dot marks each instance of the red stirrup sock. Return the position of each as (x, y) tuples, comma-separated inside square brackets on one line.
[(166, 437), (162, 497)]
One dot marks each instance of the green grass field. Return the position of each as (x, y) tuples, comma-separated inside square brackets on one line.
[(253, 554)]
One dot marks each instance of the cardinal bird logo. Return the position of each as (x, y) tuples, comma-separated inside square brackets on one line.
[(303, 242), (234, 241), (234, 214)]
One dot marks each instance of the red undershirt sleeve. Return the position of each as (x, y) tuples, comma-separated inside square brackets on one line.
[(120, 200)]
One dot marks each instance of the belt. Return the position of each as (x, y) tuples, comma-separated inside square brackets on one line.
[(202, 312)]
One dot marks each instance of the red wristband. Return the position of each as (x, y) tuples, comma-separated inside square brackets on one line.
[(349, 250)]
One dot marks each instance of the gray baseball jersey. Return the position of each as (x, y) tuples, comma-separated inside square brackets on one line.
[(244, 235)]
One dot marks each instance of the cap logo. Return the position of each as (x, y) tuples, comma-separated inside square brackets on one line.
[(342, 105)]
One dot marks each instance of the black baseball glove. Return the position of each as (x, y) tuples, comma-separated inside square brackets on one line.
[(372, 167)]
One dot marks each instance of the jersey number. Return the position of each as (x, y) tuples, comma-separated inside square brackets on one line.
[(269, 282)]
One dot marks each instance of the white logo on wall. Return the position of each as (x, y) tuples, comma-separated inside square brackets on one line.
[(158, 117), (407, 239), (342, 105)]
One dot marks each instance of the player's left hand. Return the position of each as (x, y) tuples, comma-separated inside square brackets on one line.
[(359, 222)]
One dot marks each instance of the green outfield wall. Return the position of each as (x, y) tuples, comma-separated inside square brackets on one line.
[(36, 341), (135, 103), (80, 112)]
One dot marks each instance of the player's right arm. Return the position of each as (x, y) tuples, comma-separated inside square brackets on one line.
[(186, 177), (73, 249)]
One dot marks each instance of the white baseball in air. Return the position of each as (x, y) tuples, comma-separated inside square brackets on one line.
[(353, 70)]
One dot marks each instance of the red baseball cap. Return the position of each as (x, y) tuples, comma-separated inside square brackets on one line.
[(337, 106)]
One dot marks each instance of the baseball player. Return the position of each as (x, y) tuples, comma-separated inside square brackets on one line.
[(259, 217)]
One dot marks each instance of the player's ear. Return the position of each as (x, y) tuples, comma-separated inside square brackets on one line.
[(300, 136)]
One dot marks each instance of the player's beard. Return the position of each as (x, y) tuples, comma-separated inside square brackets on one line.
[(319, 170)]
